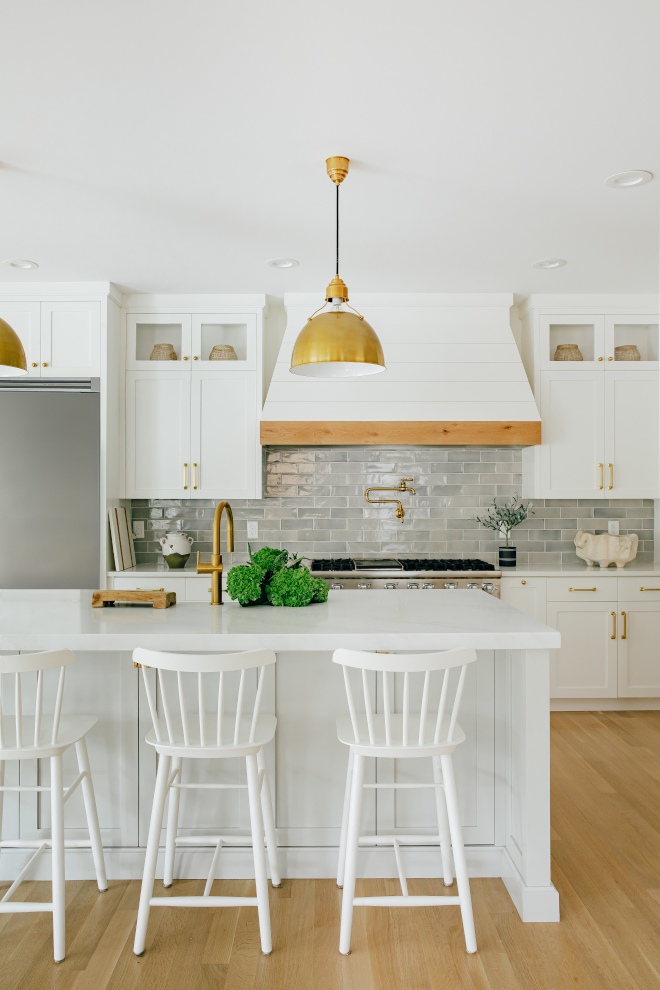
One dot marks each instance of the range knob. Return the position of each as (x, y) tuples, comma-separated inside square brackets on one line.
[(490, 588), (361, 586), (390, 586), (414, 586), (428, 586), (451, 585), (473, 585), (336, 587)]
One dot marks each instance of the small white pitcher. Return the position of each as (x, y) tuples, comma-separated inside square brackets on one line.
[(176, 548)]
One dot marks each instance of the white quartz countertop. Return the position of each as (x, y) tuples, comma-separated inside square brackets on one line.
[(370, 620), (633, 569)]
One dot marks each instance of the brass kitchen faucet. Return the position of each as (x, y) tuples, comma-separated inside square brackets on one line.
[(215, 567), (400, 513)]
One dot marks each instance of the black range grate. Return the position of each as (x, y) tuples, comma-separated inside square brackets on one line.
[(448, 564), (409, 564)]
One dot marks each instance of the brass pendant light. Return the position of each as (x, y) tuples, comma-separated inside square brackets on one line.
[(12, 355), (337, 343)]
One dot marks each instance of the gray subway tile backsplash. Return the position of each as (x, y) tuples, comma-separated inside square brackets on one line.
[(314, 505)]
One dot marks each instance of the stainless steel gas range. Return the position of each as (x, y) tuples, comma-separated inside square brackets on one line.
[(378, 572)]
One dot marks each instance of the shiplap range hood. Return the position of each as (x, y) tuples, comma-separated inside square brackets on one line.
[(454, 376)]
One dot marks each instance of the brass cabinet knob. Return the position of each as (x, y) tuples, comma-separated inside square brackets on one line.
[(196, 358), (523, 582), (34, 364), (610, 359), (600, 359), (185, 358), (45, 364)]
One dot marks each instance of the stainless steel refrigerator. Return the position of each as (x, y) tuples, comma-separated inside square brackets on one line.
[(49, 483)]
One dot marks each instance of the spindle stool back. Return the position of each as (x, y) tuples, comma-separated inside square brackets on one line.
[(28, 733), (432, 731), (204, 729)]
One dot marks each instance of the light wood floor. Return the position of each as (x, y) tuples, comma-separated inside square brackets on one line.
[(606, 866)]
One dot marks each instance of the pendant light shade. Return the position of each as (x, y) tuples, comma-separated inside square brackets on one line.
[(12, 355), (338, 343)]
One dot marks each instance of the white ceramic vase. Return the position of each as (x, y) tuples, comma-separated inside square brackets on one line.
[(176, 548)]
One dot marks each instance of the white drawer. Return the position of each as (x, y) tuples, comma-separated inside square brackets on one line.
[(198, 589), (583, 589), (134, 583), (639, 589)]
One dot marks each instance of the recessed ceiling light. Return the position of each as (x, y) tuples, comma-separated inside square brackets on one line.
[(624, 180), (282, 263), (21, 263), (550, 263)]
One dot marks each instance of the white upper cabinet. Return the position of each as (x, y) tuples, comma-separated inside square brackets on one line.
[(598, 414), (238, 331), (587, 332), (223, 434), (61, 339), (572, 449), (158, 435), (70, 339), (192, 424), (632, 407), (145, 330)]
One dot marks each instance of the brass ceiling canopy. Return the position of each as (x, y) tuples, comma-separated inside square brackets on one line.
[(337, 343), (12, 355)]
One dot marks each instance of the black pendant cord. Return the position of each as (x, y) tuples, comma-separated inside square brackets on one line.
[(337, 233)]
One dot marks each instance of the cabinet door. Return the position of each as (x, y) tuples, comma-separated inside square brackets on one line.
[(25, 319), (587, 332), (526, 594), (572, 451), (224, 435), (158, 434), (70, 339), (239, 330), (639, 652), (631, 434), (145, 330), (585, 666)]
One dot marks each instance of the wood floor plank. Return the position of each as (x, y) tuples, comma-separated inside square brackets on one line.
[(606, 866)]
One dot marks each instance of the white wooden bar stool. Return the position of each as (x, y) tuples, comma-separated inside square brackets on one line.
[(204, 735), (39, 737), (403, 736)]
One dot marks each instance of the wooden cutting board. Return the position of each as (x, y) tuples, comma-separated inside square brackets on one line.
[(159, 599)]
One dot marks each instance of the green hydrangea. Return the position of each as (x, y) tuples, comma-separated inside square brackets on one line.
[(246, 584), (320, 590), (292, 586), (269, 559)]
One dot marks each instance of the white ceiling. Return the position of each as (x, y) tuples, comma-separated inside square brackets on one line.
[(175, 147)]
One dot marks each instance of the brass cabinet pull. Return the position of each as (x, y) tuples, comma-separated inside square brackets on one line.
[(611, 484), (45, 364), (649, 589), (523, 582), (601, 475), (194, 476), (184, 475), (625, 624), (196, 357), (185, 358), (600, 359), (34, 364), (610, 359), (613, 636), (585, 589)]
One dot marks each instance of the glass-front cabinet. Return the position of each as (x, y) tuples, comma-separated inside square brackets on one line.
[(209, 341)]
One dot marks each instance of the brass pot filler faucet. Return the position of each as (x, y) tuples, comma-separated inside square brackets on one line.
[(400, 512), (215, 567)]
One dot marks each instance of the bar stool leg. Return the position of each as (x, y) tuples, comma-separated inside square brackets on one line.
[(269, 823), (344, 821), (92, 814), (57, 854), (149, 874), (352, 840), (259, 854), (172, 825), (443, 824), (459, 853)]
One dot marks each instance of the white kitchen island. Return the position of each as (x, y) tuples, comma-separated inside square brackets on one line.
[(502, 770)]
